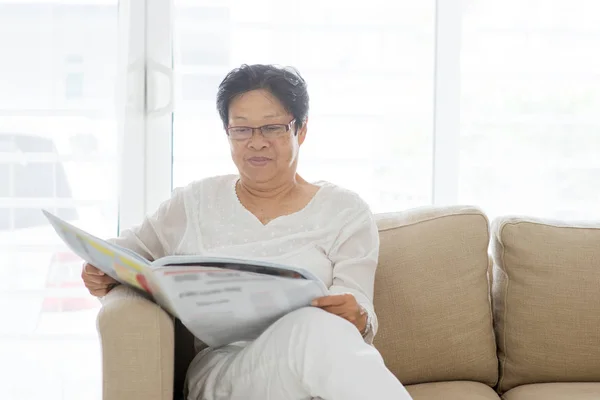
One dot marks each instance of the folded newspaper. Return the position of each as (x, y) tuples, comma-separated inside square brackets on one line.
[(220, 300)]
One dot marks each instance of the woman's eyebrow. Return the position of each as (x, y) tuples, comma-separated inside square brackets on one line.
[(239, 117)]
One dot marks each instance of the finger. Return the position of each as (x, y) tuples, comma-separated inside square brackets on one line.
[(99, 279), (99, 292), (102, 291), (98, 284), (333, 300), (95, 285), (95, 290), (91, 270), (338, 310), (351, 317)]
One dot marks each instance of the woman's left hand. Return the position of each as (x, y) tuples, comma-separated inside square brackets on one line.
[(345, 306)]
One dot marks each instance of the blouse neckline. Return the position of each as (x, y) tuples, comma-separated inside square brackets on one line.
[(307, 207)]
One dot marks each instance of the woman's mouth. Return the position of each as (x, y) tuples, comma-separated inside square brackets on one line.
[(259, 161)]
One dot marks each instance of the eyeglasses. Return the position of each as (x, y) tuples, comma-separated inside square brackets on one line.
[(270, 131)]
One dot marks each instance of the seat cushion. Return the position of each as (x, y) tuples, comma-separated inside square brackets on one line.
[(546, 297), (555, 391), (432, 296), (452, 391)]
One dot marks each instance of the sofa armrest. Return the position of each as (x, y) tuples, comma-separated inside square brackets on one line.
[(137, 341)]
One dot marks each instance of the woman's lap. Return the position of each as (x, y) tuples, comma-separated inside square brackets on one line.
[(254, 368), (290, 360)]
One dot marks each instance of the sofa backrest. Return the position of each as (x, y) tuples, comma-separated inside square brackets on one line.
[(546, 298), (432, 296)]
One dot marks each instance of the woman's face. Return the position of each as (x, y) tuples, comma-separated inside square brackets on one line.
[(260, 159)]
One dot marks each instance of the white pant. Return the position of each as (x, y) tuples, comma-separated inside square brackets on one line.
[(306, 354)]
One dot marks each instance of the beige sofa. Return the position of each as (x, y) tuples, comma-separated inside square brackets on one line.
[(453, 325)]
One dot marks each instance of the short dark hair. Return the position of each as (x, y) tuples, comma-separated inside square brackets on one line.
[(285, 83)]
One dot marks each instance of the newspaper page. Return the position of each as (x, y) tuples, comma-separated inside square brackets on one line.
[(236, 263), (219, 300), (118, 263), (221, 306)]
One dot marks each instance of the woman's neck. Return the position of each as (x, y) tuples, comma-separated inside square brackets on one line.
[(270, 191)]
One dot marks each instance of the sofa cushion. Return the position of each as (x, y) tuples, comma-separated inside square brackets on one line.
[(432, 297), (555, 391), (546, 297), (452, 391)]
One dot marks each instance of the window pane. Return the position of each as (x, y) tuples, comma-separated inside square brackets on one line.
[(58, 152), (369, 70), (530, 135)]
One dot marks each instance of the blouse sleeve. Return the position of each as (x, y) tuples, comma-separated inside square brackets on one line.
[(355, 256), (160, 233)]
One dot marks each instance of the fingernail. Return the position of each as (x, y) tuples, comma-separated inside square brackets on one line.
[(314, 303)]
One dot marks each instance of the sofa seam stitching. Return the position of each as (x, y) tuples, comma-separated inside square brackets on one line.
[(554, 224), (472, 213), (503, 363)]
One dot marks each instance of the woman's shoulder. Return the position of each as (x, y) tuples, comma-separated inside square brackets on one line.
[(338, 197)]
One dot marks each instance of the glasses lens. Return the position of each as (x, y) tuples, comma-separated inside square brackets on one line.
[(240, 133), (273, 130)]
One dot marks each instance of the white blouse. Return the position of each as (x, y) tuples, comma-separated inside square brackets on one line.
[(334, 236)]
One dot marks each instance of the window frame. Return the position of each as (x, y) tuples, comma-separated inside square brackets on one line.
[(158, 131)]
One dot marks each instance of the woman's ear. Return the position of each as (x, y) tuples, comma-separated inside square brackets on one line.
[(301, 132)]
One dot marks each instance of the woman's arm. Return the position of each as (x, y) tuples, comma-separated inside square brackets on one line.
[(158, 235), (160, 232), (355, 256)]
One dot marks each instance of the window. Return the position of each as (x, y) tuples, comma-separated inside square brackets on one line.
[(530, 133), (58, 151), (74, 76), (369, 70), (385, 77), (51, 179)]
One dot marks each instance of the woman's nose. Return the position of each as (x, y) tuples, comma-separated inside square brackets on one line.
[(257, 140)]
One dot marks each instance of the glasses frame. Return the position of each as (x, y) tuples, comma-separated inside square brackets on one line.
[(262, 128)]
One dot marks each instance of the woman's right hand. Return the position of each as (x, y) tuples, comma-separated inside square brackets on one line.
[(96, 281)]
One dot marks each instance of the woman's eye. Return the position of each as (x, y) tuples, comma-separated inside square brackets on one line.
[(272, 128)]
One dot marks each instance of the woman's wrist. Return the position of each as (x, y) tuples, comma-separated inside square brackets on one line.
[(364, 322)]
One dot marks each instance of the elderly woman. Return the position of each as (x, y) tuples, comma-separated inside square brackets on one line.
[(269, 212)]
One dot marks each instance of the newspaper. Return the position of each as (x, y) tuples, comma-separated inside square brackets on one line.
[(220, 300)]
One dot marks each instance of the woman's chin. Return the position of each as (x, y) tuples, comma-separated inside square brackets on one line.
[(259, 174)]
